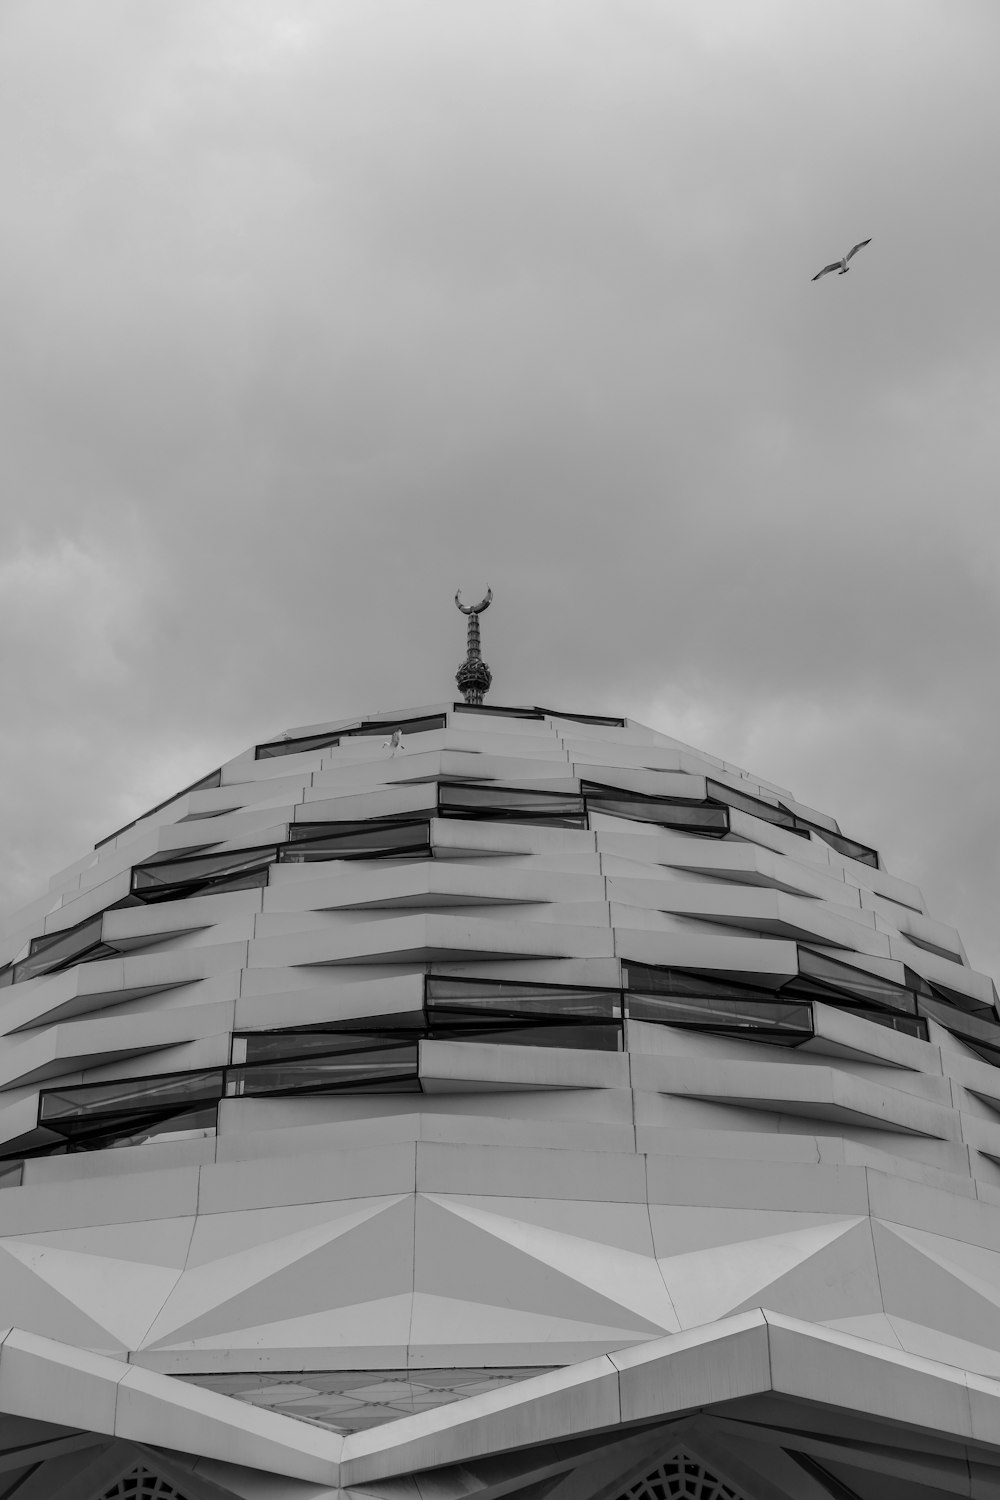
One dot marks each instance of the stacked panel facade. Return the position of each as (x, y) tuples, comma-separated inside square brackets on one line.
[(536, 1107)]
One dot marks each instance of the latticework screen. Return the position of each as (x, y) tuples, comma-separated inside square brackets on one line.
[(140, 1484), (681, 1477)]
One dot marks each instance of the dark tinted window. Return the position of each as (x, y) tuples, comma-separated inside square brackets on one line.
[(299, 746), (691, 982), (347, 1068), (279, 1046), (908, 1025), (753, 805), (686, 817), (504, 998), (721, 1013), (709, 1002), (56, 949), (976, 1030), (498, 711), (824, 978), (610, 721), (94, 1112), (861, 852), (523, 1014), (171, 879), (325, 741), (781, 816), (458, 799), (385, 728), (375, 840)]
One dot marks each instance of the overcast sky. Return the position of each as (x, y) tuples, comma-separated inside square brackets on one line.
[(313, 311)]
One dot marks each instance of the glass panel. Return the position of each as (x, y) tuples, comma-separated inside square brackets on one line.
[(274, 1046), (67, 939), (988, 1051), (610, 721), (494, 708), (488, 997), (382, 1064), (909, 1025), (56, 949), (186, 877), (367, 1030), (690, 983), (187, 1125), (295, 747), (720, 1013), (968, 1003), (694, 817), (446, 1025), (378, 840), (32, 968), (59, 1108), (466, 800), (861, 852), (445, 1022), (969, 1028), (324, 741), (206, 784), (422, 725), (916, 982), (752, 805), (823, 978)]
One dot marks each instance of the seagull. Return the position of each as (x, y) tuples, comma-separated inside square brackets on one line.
[(841, 265), (395, 742)]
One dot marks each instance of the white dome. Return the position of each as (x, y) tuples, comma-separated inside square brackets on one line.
[(366, 1091)]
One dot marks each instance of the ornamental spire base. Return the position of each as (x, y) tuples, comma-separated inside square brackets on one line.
[(474, 676)]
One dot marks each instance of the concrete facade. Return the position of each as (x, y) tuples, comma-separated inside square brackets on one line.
[(542, 1108)]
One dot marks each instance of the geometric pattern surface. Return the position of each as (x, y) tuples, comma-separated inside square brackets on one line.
[(353, 1400), (369, 1109), (457, 1276), (140, 1484), (680, 1477)]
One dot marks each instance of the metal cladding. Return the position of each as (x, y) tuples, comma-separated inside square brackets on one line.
[(483, 1101)]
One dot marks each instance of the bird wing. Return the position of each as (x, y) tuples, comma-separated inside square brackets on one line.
[(833, 266), (859, 246)]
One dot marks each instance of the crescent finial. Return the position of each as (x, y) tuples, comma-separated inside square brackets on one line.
[(474, 609)]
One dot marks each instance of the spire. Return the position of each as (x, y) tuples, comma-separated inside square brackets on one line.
[(473, 676)]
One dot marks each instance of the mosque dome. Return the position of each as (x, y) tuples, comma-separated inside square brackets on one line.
[(481, 1101)]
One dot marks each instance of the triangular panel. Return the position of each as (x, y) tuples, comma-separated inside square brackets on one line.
[(921, 1290), (457, 1258), (124, 1296), (840, 1280), (707, 1284), (629, 1280), (330, 1265)]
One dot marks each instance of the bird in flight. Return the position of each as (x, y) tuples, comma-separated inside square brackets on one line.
[(841, 265)]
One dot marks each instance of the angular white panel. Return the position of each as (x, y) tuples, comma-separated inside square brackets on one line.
[(788, 1118)]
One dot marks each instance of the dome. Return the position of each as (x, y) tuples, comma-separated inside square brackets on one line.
[(518, 1098)]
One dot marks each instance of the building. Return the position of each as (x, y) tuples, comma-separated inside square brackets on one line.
[(494, 1102)]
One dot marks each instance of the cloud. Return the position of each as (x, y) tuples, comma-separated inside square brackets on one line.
[(312, 314)]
